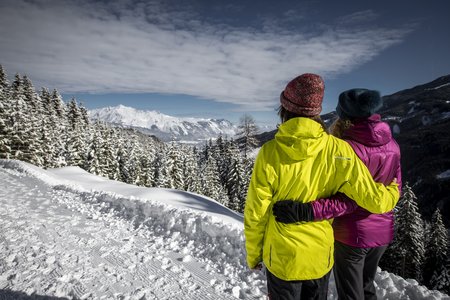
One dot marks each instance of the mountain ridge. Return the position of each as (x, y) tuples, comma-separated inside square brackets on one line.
[(165, 127)]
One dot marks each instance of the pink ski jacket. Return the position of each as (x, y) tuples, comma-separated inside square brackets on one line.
[(372, 141)]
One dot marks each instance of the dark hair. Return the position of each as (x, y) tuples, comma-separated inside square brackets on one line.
[(286, 115)]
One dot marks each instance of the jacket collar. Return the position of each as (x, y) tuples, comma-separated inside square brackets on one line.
[(371, 131)]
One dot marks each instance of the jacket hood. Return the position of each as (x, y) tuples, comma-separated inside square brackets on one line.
[(300, 138), (371, 132)]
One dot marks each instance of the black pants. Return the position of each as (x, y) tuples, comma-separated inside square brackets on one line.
[(279, 289), (354, 271)]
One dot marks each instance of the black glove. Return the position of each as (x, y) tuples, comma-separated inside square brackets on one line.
[(288, 211)]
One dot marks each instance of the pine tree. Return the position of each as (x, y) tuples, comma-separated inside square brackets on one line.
[(6, 130), (122, 161), (134, 163), (406, 254), (175, 168), (93, 162), (5, 127), (76, 136), (234, 177), (3, 81), (148, 155), (32, 150), (84, 116), (49, 131), (436, 249), (160, 169), (247, 166), (47, 145), (18, 139), (113, 142), (191, 172), (211, 186), (32, 99), (74, 117), (59, 131), (441, 278)]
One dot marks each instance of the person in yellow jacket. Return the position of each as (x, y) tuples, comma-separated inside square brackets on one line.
[(303, 163)]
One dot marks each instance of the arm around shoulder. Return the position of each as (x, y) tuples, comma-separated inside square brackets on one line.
[(360, 186)]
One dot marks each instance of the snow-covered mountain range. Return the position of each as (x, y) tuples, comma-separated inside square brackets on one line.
[(165, 127)]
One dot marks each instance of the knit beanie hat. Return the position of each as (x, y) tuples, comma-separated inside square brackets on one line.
[(358, 103), (304, 95)]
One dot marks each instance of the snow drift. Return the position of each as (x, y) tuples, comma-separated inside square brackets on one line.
[(128, 242)]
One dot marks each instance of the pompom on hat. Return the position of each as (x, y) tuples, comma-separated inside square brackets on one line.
[(303, 95), (358, 103)]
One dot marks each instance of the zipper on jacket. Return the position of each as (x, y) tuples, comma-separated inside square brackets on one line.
[(329, 257), (270, 255)]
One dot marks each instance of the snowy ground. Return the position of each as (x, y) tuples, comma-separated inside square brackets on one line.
[(66, 234)]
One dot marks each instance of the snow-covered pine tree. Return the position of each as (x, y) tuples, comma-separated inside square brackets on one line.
[(18, 139), (84, 115), (76, 136), (134, 162), (247, 166), (109, 154), (3, 80), (74, 118), (175, 167), (247, 130), (32, 150), (406, 254), (47, 144), (441, 278), (5, 127), (211, 185), (191, 172), (93, 162), (436, 252), (5, 117), (122, 158), (235, 174), (148, 155), (32, 99), (160, 168), (219, 152), (59, 131), (116, 140), (49, 130)]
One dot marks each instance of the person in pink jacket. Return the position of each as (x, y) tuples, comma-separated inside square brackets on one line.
[(360, 236)]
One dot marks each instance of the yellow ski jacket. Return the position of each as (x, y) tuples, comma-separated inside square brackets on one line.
[(304, 163)]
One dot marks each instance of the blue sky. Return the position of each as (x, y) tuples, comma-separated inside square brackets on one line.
[(221, 59)]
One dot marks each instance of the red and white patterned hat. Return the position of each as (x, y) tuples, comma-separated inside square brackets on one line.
[(304, 95)]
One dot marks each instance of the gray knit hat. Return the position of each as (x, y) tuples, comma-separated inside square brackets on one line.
[(358, 103)]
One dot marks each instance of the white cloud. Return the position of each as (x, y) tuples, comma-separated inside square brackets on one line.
[(92, 48), (360, 17)]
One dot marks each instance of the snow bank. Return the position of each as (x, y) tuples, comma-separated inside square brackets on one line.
[(191, 224)]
